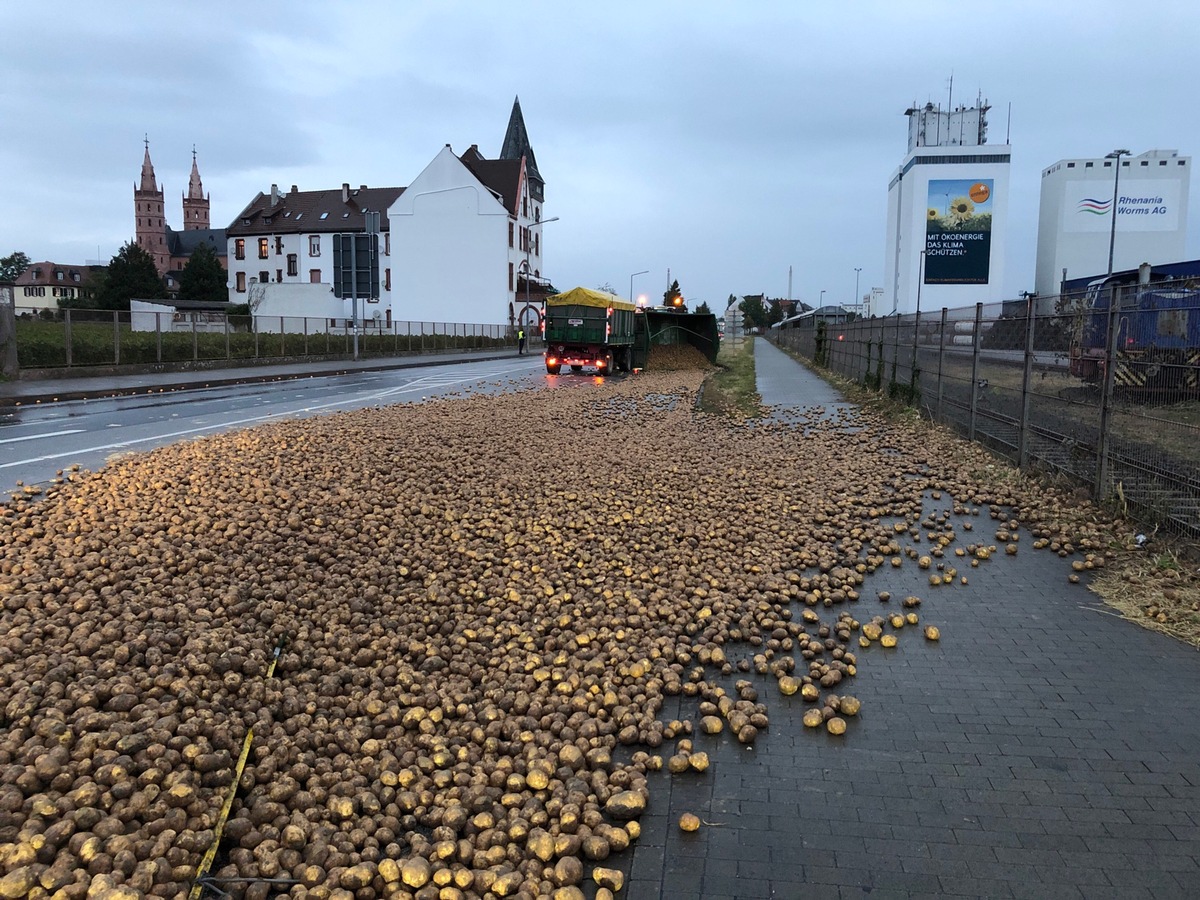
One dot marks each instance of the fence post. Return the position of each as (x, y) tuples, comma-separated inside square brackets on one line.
[(1110, 365), (912, 372), (254, 327), (195, 341), (1024, 435), (158, 337), (282, 345), (226, 327), (941, 357), (67, 334), (306, 336), (116, 338), (975, 370)]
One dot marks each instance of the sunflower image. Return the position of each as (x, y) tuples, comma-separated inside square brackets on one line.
[(932, 214), (961, 210)]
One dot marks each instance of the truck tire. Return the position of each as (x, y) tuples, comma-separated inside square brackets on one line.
[(553, 370)]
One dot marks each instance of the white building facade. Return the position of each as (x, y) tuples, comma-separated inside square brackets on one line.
[(1149, 194), (947, 214), (289, 238)]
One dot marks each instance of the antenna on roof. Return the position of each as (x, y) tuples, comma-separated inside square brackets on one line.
[(950, 96), (1008, 128)]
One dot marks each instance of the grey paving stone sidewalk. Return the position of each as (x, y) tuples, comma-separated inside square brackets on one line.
[(1043, 748)]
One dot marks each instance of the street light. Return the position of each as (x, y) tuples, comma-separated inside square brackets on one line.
[(857, 299), (631, 277), (1112, 234), (526, 263), (821, 302)]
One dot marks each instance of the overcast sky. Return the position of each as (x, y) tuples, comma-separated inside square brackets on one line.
[(722, 141)]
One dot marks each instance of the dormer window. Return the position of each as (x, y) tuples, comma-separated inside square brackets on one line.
[(324, 215), (245, 221)]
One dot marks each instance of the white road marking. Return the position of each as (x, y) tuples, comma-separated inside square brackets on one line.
[(34, 437), (378, 395)]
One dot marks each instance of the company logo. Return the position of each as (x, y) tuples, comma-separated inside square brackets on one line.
[(1093, 206), (979, 192)]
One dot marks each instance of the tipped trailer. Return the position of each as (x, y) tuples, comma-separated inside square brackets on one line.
[(585, 328)]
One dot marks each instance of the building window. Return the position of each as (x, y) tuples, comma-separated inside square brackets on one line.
[(278, 245), (314, 245), (74, 276), (510, 234), (241, 282), (263, 248), (387, 244), (293, 265), (279, 275), (525, 206), (58, 275), (314, 276), (537, 245), (387, 279), (239, 248), (510, 276), (264, 277)]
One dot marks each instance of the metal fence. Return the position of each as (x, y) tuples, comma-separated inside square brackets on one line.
[(68, 338), (1103, 388)]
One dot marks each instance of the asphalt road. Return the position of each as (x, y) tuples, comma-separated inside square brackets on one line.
[(38, 441)]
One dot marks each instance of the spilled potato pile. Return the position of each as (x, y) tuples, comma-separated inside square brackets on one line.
[(675, 357), (475, 608)]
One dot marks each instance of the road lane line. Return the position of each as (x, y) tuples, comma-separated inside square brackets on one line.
[(34, 437), (378, 395)]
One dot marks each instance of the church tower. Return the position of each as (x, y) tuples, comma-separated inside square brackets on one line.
[(148, 209), (195, 203), (516, 144)]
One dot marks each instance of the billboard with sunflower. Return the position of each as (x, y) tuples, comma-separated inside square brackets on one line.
[(958, 231)]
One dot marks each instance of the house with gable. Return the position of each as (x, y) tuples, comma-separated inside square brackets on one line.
[(467, 240)]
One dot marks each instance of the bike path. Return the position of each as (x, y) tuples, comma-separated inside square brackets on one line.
[(1044, 747)]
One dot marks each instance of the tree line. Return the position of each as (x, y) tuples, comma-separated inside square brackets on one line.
[(131, 275)]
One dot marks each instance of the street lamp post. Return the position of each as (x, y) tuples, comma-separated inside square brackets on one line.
[(631, 277), (821, 302), (526, 263), (1112, 234), (857, 299)]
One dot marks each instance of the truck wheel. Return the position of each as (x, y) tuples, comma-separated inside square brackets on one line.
[(553, 370), (606, 364)]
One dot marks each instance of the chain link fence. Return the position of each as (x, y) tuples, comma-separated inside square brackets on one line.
[(1102, 387), (72, 338)]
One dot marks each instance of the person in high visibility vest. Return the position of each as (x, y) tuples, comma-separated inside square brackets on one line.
[(520, 341)]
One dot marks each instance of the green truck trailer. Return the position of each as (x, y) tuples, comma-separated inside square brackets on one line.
[(593, 329)]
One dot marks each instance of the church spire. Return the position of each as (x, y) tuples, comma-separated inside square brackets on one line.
[(195, 188), (148, 183), (196, 213), (516, 142)]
